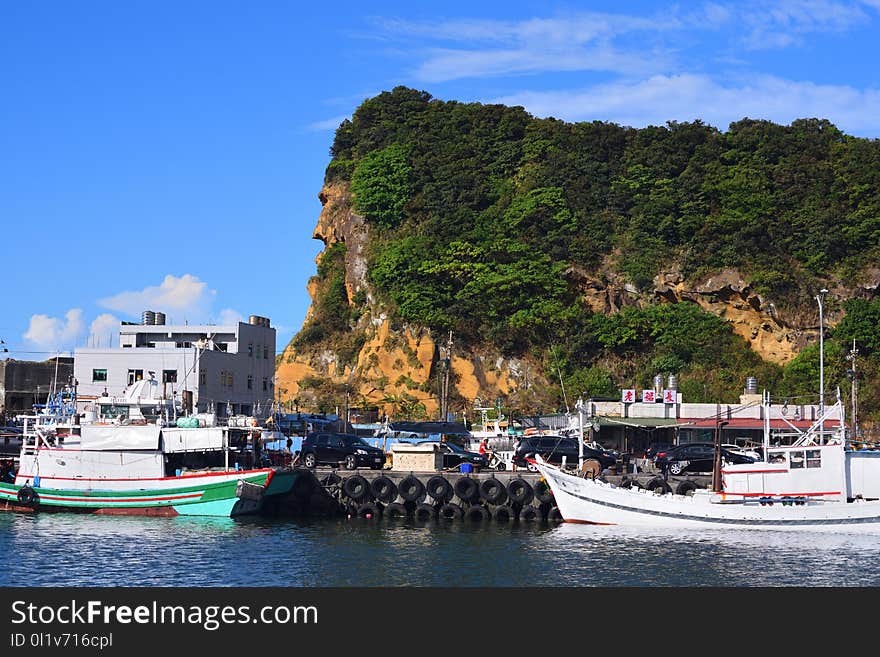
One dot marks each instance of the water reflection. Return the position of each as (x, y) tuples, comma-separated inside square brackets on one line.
[(75, 550)]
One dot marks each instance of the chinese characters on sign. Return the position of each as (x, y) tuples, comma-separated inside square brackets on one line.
[(649, 396), (669, 396), (628, 396)]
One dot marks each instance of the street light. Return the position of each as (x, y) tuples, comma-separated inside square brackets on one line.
[(820, 298)]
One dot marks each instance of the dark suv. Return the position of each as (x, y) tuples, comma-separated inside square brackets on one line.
[(694, 457), (553, 448), (453, 455), (334, 448)]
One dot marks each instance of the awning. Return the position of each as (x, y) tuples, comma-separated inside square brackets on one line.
[(648, 423)]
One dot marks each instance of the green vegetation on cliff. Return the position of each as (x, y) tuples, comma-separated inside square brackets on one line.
[(481, 216)]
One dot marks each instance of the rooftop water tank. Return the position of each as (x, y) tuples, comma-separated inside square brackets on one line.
[(751, 385), (658, 384), (672, 382)]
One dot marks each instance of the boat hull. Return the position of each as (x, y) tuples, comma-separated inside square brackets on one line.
[(214, 494), (595, 502)]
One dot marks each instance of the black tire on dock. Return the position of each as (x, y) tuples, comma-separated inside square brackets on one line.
[(542, 492), (439, 488), (555, 515), (369, 510), (493, 491), (658, 485), (626, 482), (521, 491), (685, 487), (502, 513), (384, 489), (530, 514), (356, 487), (425, 512), (477, 513), (451, 511), (410, 488), (395, 511), (467, 489)]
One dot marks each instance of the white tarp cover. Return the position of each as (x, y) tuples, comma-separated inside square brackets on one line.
[(98, 438), (188, 440)]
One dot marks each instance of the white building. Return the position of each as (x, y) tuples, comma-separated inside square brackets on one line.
[(227, 370)]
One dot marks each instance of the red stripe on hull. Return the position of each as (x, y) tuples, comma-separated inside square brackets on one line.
[(153, 511), (590, 522)]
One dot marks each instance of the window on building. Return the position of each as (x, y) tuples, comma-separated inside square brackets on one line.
[(221, 346), (265, 383), (99, 375), (250, 349), (250, 382), (266, 352), (203, 377), (183, 345), (135, 375), (229, 379), (169, 376)]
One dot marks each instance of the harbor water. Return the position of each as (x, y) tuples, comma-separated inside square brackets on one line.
[(80, 550)]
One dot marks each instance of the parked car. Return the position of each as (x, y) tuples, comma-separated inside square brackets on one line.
[(324, 448), (453, 455), (695, 457), (553, 448)]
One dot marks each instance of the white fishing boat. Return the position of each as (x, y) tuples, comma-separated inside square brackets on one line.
[(128, 456), (815, 482)]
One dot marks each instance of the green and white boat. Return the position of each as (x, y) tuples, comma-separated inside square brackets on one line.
[(135, 466)]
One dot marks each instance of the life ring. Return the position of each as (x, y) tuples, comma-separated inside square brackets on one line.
[(384, 489), (411, 488), (395, 511), (424, 512), (493, 491), (28, 496), (502, 513), (466, 488), (530, 514), (356, 487), (369, 510), (439, 488), (542, 492), (477, 513), (519, 490), (451, 511)]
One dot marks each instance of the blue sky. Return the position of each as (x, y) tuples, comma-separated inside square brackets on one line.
[(168, 155)]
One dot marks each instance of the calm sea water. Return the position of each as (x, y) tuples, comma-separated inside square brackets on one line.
[(78, 550)]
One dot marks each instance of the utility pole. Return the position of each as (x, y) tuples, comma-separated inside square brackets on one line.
[(851, 356), (820, 298), (445, 367)]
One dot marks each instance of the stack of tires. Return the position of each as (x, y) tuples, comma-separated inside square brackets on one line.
[(469, 498)]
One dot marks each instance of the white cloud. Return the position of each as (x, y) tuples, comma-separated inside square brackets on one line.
[(785, 22), (186, 295), (689, 97), (104, 331), (53, 333), (229, 316), (327, 124)]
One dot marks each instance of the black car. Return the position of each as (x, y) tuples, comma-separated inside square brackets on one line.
[(324, 448), (695, 457), (453, 455), (553, 448)]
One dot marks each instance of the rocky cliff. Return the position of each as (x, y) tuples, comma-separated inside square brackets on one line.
[(396, 366)]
